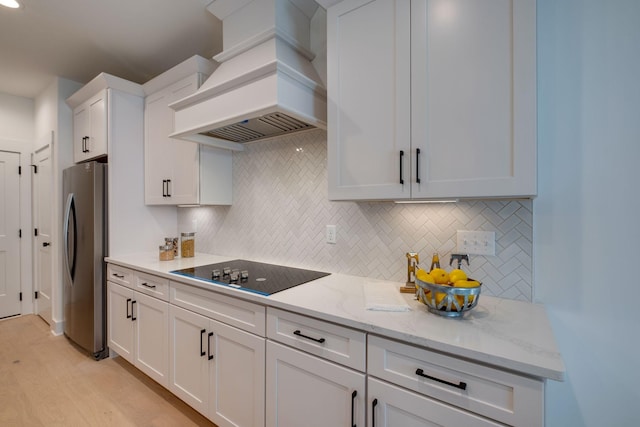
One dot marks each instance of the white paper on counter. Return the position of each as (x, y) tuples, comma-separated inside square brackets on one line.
[(383, 298)]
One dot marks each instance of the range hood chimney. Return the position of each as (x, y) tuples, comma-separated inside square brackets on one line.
[(265, 85)]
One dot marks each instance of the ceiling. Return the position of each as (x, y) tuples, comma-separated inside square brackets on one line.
[(79, 39)]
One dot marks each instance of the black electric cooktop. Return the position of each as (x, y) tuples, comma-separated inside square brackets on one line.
[(257, 277)]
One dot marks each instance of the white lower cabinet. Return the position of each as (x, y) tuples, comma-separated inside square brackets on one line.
[(217, 369), (138, 328), (464, 390), (304, 390), (392, 406), (210, 350)]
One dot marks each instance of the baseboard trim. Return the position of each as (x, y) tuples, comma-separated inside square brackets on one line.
[(57, 328)]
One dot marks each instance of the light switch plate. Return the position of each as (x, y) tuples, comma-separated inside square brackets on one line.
[(331, 234), (476, 242)]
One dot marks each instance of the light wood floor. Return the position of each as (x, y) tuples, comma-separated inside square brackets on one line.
[(47, 381)]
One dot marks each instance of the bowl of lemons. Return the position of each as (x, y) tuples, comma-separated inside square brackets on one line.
[(449, 294)]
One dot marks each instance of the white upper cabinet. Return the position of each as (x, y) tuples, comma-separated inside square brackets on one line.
[(90, 128), (431, 99), (100, 116), (181, 172), (171, 167)]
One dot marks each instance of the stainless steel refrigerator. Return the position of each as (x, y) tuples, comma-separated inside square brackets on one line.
[(85, 246)]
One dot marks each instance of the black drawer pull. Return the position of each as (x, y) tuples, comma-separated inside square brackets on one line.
[(146, 285), (373, 412), (401, 161), (119, 276), (209, 355), (461, 385), (418, 165), (353, 404), (298, 333), (202, 332)]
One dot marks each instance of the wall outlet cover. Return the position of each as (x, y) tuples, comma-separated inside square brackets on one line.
[(476, 242)]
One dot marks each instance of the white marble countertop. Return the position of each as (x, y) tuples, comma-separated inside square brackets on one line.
[(508, 334)]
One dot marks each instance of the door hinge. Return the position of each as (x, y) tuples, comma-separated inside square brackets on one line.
[(20, 296), (35, 232), (35, 168), (36, 294)]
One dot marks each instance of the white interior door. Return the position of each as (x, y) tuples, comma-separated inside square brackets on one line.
[(9, 234), (43, 219)]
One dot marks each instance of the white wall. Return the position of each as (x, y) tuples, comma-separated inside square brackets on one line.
[(16, 134), (586, 217)]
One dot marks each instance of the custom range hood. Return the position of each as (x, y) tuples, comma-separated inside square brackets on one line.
[(265, 85)]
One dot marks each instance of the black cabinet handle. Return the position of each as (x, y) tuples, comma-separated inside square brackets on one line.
[(168, 188), (128, 315), (119, 276), (373, 412), (353, 404), (146, 285), (85, 146), (298, 333), (164, 188), (209, 355), (401, 161), (418, 165), (202, 332), (461, 385), (133, 316), (45, 244)]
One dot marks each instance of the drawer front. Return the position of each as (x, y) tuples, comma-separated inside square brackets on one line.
[(242, 314), (327, 340), (154, 286), (120, 275), (497, 394)]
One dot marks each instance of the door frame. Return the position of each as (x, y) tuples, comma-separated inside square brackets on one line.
[(37, 287)]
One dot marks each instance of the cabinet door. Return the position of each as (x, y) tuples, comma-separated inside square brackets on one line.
[(391, 406), (90, 128), (119, 325), (304, 390), (189, 364), (98, 118), (171, 166), (473, 98), (184, 185), (237, 377), (368, 67), (151, 320), (81, 130)]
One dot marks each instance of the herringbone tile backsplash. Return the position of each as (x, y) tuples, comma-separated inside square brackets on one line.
[(280, 211)]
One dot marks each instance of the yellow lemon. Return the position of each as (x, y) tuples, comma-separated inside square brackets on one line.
[(466, 284), (423, 276), (456, 275), (440, 276), (439, 297)]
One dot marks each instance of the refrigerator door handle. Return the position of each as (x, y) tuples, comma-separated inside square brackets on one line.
[(69, 215)]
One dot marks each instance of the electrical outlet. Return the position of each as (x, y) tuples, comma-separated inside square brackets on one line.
[(476, 242), (331, 234)]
